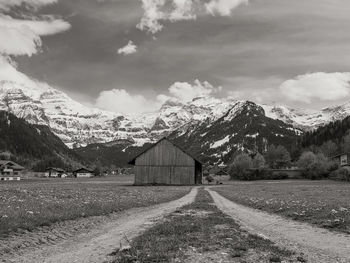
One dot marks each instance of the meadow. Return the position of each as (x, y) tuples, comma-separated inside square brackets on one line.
[(28, 204), (199, 232), (323, 203)]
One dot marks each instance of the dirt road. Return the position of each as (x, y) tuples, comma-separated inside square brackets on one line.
[(318, 245), (96, 244)]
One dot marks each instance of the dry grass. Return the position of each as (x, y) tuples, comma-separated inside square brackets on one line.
[(200, 233), (324, 203), (26, 205)]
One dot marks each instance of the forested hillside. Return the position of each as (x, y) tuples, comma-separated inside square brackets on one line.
[(34, 146), (334, 137)]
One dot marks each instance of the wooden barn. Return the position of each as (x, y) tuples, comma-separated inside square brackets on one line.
[(165, 163)]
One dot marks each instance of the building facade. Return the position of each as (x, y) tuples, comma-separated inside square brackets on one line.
[(9, 168), (342, 159), (83, 173), (165, 163)]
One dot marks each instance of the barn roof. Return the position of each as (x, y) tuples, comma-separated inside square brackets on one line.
[(340, 154), (176, 145), (12, 164), (83, 169)]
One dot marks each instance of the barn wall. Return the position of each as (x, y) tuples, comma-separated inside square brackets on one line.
[(175, 175), (165, 154), (165, 164)]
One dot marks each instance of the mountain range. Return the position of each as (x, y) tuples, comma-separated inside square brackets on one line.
[(208, 126)]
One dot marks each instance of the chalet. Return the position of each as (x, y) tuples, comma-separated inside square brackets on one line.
[(83, 173), (167, 164), (342, 159), (55, 172), (217, 171), (9, 168)]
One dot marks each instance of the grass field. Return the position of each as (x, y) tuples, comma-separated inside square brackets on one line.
[(323, 203), (25, 205), (199, 232)]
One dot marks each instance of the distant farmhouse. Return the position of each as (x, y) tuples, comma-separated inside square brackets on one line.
[(167, 164), (342, 159), (10, 171), (83, 173), (217, 171), (55, 172), (9, 168)]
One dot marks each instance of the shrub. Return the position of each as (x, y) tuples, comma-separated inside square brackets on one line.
[(277, 157), (240, 166), (316, 166), (209, 178), (341, 174)]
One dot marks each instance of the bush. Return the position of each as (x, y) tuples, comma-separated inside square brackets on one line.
[(209, 178), (341, 174), (316, 166), (239, 168)]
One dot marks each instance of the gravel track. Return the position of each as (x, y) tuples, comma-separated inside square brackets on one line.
[(86, 240), (317, 244)]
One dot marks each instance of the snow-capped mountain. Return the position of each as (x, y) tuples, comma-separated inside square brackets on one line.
[(244, 127), (307, 119), (79, 125)]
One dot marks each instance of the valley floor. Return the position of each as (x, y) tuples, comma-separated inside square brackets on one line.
[(200, 226), (323, 203)]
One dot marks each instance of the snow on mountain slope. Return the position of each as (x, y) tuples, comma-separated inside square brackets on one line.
[(79, 125), (243, 127), (307, 119), (70, 120)]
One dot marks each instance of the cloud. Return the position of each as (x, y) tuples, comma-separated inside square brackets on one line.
[(7, 4), (223, 7), (22, 37), (156, 11), (130, 48), (152, 15), (183, 10), (119, 100), (185, 91), (320, 85)]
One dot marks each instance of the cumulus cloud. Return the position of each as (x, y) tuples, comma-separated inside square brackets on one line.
[(223, 7), (157, 11), (22, 37), (183, 10), (130, 48), (119, 100), (7, 4), (320, 85), (186, 92), (152, 15)]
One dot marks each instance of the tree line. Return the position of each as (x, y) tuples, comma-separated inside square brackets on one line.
[(312, 153)]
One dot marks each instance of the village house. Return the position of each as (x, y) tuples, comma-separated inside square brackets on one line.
[(9, 168), (167, 164), (83, 173), (342, 159), (55, 172), (218, 171)]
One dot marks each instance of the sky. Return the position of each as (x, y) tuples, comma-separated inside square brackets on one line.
[(130, 56)]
